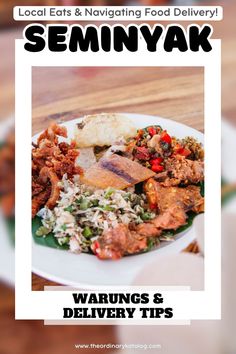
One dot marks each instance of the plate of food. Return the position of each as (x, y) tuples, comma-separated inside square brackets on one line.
[(110, 193)]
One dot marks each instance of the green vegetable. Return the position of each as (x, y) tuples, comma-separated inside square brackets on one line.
[(83, 203), (108, 208), (64, 227), (165, 146), (95, 202), (108, 193), (202, 188), (69, 209), (127, 196), (146, 216), (152, 242), (79, 200), (42, 231), (87, 232), (63, 240), (86, 194)]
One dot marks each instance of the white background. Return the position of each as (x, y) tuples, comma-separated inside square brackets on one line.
[(187, 304)]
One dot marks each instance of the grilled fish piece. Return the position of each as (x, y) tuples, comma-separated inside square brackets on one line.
[(116, 171)]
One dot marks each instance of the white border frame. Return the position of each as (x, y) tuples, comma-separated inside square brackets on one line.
[(188, 305)]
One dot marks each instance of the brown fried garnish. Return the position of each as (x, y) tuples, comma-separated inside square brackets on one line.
[(48, 174), (51, 160), (52, 133), (39, 200)]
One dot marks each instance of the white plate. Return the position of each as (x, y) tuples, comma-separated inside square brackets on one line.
[(87, 271)]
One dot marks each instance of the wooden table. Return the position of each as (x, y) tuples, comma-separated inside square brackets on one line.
[(62, 94)]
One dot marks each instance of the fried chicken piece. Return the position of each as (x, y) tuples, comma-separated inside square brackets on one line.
[(179, 169), (164, 198), (124, 240), (172, 204), (117, 242), (48, 174), (171, 219), (146, 230)]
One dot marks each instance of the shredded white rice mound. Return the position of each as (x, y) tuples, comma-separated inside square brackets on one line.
[(82, 213)]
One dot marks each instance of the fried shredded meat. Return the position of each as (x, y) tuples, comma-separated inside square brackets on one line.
[(48, 174), (51, 159), (172, 204), (39, 200)]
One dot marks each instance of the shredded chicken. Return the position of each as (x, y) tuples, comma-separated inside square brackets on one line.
[(172, 204), (50, 161)]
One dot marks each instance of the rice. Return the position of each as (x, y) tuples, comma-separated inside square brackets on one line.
[(82, 213)]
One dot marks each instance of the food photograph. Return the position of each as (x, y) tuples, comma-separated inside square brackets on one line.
[(117, 191), (112, 189)]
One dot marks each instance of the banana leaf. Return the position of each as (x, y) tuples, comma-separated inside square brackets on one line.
[(48, 240)]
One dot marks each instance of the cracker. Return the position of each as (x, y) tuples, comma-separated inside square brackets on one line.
[(103, 129)]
